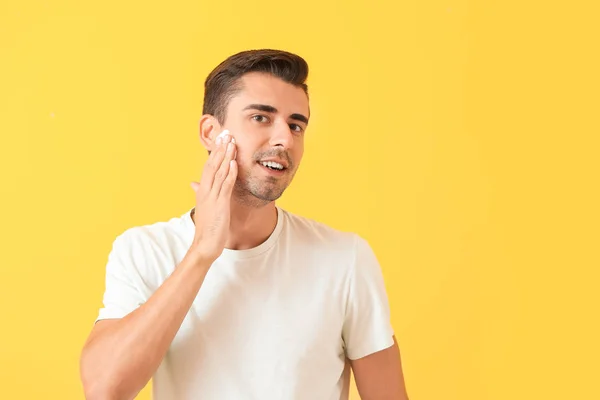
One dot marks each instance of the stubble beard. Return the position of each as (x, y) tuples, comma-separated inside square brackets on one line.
[(256, 192)]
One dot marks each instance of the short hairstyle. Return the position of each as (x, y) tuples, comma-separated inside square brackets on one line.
[(224, 81)]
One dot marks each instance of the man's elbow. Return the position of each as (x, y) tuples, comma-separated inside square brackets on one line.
[(96, 383), (98, 392), (97, 389), (93, 389)]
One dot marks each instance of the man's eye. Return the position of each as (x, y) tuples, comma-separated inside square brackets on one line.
[(259, 118), (296, 127)]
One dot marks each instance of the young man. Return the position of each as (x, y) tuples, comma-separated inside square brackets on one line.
[(238, 298)]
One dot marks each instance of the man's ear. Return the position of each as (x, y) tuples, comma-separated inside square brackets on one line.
[(209, 129)]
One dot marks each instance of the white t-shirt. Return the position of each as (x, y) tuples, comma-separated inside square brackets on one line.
[(273, 322)]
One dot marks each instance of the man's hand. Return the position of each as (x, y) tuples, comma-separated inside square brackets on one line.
[(213, 200)]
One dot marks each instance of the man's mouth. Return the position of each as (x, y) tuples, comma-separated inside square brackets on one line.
[(275, 166)]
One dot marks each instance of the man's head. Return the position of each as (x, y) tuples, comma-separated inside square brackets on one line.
[(261, 97)]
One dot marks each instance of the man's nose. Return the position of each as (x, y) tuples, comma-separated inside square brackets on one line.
[(282, 135)]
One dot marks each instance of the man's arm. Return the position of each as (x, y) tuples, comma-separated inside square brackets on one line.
[(367, 333), (379, 376), (121, 355)]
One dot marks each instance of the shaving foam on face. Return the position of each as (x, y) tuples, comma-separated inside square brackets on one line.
[(225, 132), (222, 135)]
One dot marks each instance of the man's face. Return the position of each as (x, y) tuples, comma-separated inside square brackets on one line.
[(267, 118)]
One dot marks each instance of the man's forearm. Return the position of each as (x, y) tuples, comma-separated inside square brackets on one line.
[(120, 358)]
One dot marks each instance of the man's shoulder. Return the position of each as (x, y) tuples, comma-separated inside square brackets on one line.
[(319, 233), (154, 234)]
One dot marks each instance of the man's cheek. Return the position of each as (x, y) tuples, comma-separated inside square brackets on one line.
[(240, 154), (244, 161)]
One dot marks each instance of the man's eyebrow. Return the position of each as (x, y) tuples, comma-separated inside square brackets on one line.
[(299, 117), (260, 107), (273, 110)]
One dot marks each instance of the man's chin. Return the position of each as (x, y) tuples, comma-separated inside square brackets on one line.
[(268, 196), (257, 197)]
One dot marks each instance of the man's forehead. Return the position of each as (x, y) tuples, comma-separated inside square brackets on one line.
[(260, 88)]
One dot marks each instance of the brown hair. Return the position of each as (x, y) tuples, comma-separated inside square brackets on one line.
[(223, 82)]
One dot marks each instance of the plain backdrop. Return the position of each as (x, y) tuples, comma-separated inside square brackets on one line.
[(460, 138)]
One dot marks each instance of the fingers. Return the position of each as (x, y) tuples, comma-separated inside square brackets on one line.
[(215, 159), (229, 182), (223, 170)]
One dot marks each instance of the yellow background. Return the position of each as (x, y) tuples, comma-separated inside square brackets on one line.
[(460, 138)]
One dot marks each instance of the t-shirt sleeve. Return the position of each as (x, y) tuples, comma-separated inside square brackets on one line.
[(121, 294), (367, 327)]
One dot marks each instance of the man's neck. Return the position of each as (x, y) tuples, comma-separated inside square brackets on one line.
[(250, 226)]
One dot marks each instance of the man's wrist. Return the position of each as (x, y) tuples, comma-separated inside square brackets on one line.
[(197, 258)]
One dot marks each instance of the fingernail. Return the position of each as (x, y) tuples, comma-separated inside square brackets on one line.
[(232, 139)]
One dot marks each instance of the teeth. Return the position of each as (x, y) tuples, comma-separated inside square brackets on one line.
[(272, 164)]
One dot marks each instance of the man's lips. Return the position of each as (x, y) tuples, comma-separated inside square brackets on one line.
[(282, 162), (272, 171)]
